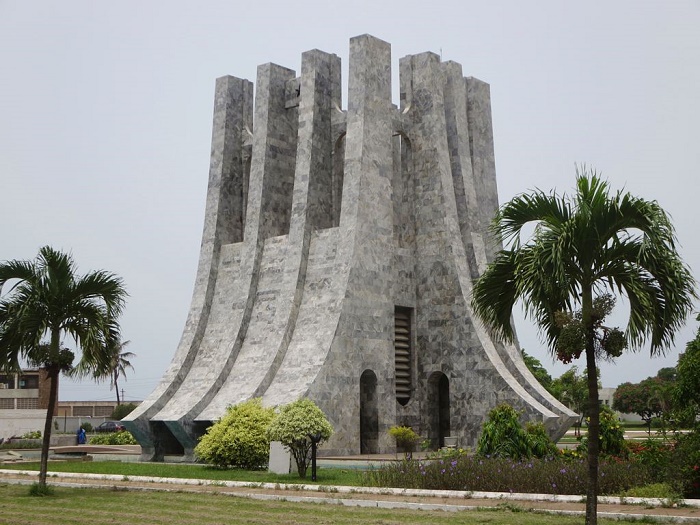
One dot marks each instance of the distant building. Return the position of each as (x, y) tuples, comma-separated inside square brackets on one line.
[(605, 395), (26, 390), (87, 408), (72, 414), (24, 398)]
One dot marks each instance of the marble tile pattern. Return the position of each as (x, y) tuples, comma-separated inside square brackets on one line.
[(319, 222)]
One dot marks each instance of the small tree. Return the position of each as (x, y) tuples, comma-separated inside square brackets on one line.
[(571, 388), (123, 410), (650, 398), (537, 370), (406, 439), (687, 387), (637, 398), (239, 438), (294, 425)]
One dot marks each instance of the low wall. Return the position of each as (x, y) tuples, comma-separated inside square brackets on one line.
[(19, 422), (72, 423)]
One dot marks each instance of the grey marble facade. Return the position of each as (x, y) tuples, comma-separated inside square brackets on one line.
[(322, 225)]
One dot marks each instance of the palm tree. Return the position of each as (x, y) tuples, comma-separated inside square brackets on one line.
[(583, 248), (119, 363), (46, 300)]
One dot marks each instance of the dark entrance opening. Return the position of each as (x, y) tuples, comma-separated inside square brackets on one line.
[(369, 413), (439, 408)]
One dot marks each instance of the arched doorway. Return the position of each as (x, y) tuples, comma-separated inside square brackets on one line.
[(439, 408), (369, 413)]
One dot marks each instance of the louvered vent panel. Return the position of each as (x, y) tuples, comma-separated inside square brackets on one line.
[(402, 354)]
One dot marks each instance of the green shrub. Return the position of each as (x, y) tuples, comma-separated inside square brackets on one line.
[(553, 475), (87, 426), (406, 439), (503, 436), (448, 454), (293, 426), (239, 438), (653, 490), (123, 410), (684, 465), (541, 445), (675, 463), (612, 435), (114, 438), (34, 434), (21, 444), (654, 454)]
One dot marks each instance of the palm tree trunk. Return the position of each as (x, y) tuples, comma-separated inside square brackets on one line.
[(593, 410), (52, 373), (116, 388)]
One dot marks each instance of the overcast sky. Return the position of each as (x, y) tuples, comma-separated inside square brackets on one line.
[(105, 124)]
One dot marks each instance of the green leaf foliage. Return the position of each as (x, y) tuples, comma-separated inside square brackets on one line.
[(584, 248), (42, 301), (406, 439), (537, 370), (502, 436), (611, 438), (294, 424), (123, 410), (541, 445), (651, 398), (687, 391), (114, 438), (238, 439)]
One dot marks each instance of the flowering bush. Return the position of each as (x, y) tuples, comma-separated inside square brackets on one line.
[(539, 476), (612, 435), (675, 463), (653, 453), (684, 464)]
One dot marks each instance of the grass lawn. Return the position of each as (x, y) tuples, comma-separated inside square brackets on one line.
[(102, 506), (325, 476)]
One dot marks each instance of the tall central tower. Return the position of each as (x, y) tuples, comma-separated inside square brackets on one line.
[(338, 256)]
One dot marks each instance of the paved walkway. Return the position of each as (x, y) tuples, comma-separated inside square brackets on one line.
[(374, 497)]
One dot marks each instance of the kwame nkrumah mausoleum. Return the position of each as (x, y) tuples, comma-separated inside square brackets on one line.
[(339, 250)]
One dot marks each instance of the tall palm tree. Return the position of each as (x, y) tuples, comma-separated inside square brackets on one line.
[(119, 362), (47, 300), (584, 247)]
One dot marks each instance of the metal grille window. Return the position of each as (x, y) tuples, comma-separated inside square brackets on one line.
[(103, 411), (402, 353), (7, 403), (27, 403)]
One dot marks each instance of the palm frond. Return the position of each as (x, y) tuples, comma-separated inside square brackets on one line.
[(591, 241)]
